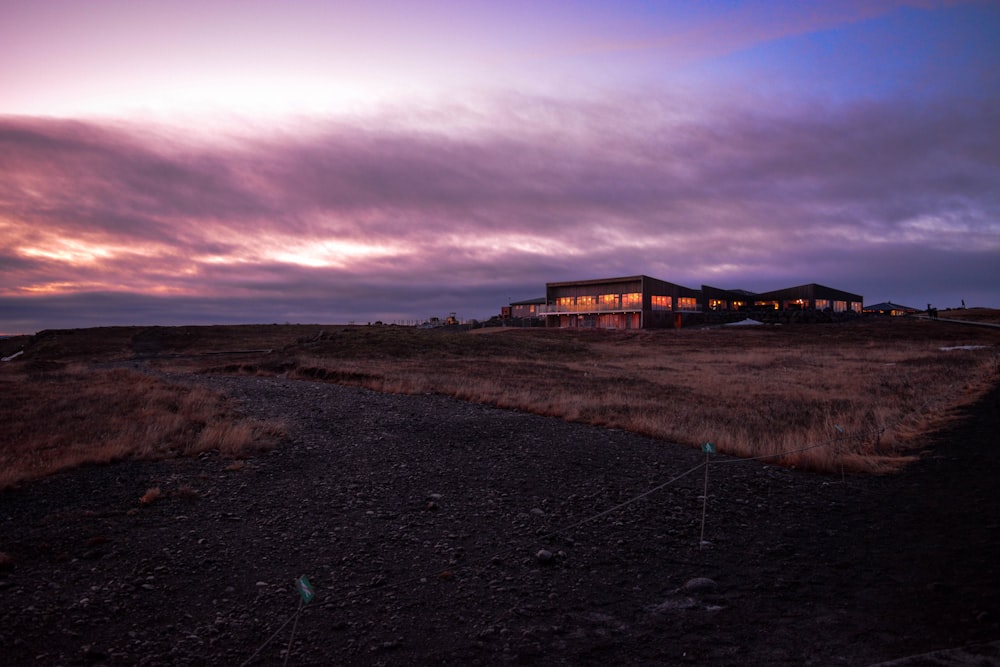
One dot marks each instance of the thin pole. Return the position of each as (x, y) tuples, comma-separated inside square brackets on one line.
[(704, 505)]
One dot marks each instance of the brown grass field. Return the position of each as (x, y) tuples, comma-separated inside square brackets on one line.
[(66, 416), (853, 396)]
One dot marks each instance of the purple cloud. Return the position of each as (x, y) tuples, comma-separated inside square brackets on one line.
[(544, 191)]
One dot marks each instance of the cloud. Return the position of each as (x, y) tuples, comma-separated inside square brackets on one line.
[(393, 208)]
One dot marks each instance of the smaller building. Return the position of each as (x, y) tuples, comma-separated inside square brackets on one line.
[(522, 309), (809, 297), (891, 309)]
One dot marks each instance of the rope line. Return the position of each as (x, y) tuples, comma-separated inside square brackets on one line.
[(271, 638), (566, 528), (559, 531)]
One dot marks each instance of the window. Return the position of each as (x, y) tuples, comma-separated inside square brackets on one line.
[(586, 301), (632, 300), (661, 302), (687, 303), (716, 304), (856, 306), (839, 306), (822, 304), (609, 301), (565, 302)]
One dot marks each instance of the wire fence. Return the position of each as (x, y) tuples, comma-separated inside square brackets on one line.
[(516, 546)]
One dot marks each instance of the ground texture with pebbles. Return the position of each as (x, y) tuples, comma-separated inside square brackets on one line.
[(440, 532)]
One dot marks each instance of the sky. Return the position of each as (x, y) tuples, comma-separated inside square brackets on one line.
[(210, 162)]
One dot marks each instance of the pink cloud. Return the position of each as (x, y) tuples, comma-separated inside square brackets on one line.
[(340, 208)]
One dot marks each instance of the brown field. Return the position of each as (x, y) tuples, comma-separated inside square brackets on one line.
[(853, 396), (57, 416)]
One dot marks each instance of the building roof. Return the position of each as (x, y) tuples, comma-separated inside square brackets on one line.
[(810, 291), (529, 302), (598, 281)]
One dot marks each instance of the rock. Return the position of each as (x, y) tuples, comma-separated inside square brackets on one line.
[(544, 556), (701, 585)]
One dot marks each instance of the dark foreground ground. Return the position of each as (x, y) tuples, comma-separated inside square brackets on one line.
[(419, 520)]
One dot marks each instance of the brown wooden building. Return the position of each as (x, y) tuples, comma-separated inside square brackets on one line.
[(630, 302)]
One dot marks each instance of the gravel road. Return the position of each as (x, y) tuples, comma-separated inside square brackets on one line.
[(435, 531)]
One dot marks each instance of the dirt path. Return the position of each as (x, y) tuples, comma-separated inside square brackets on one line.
[(420, 519)]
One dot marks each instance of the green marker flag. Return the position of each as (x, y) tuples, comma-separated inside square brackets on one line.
[(708, 448), (305, 589)]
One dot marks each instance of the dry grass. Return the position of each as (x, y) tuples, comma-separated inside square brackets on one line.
[(57, 416), (858, 395), (825, 397)]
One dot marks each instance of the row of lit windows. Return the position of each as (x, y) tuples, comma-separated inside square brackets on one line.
[(607, 301), (821, 304), (660, 302), (721, 304)]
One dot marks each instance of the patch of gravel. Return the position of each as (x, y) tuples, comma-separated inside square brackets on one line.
[(441, 532)]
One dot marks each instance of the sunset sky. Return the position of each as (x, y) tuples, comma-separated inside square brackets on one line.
[(184, 162)]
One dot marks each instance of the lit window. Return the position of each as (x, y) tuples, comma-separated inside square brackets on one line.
[(822, 304), (661, 302), (609, 301), (687, 303), (839, 306), (632, 300), (586, 301)]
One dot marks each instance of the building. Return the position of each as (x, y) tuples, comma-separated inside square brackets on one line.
[(890, 308), (631, 302), (809, 297), (523, 309), (642, 302)]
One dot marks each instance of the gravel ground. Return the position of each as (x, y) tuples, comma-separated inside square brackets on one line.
[(440, 532)]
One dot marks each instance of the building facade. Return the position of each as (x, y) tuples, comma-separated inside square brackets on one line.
[(642, 302), (630, 302), (809, 297)]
